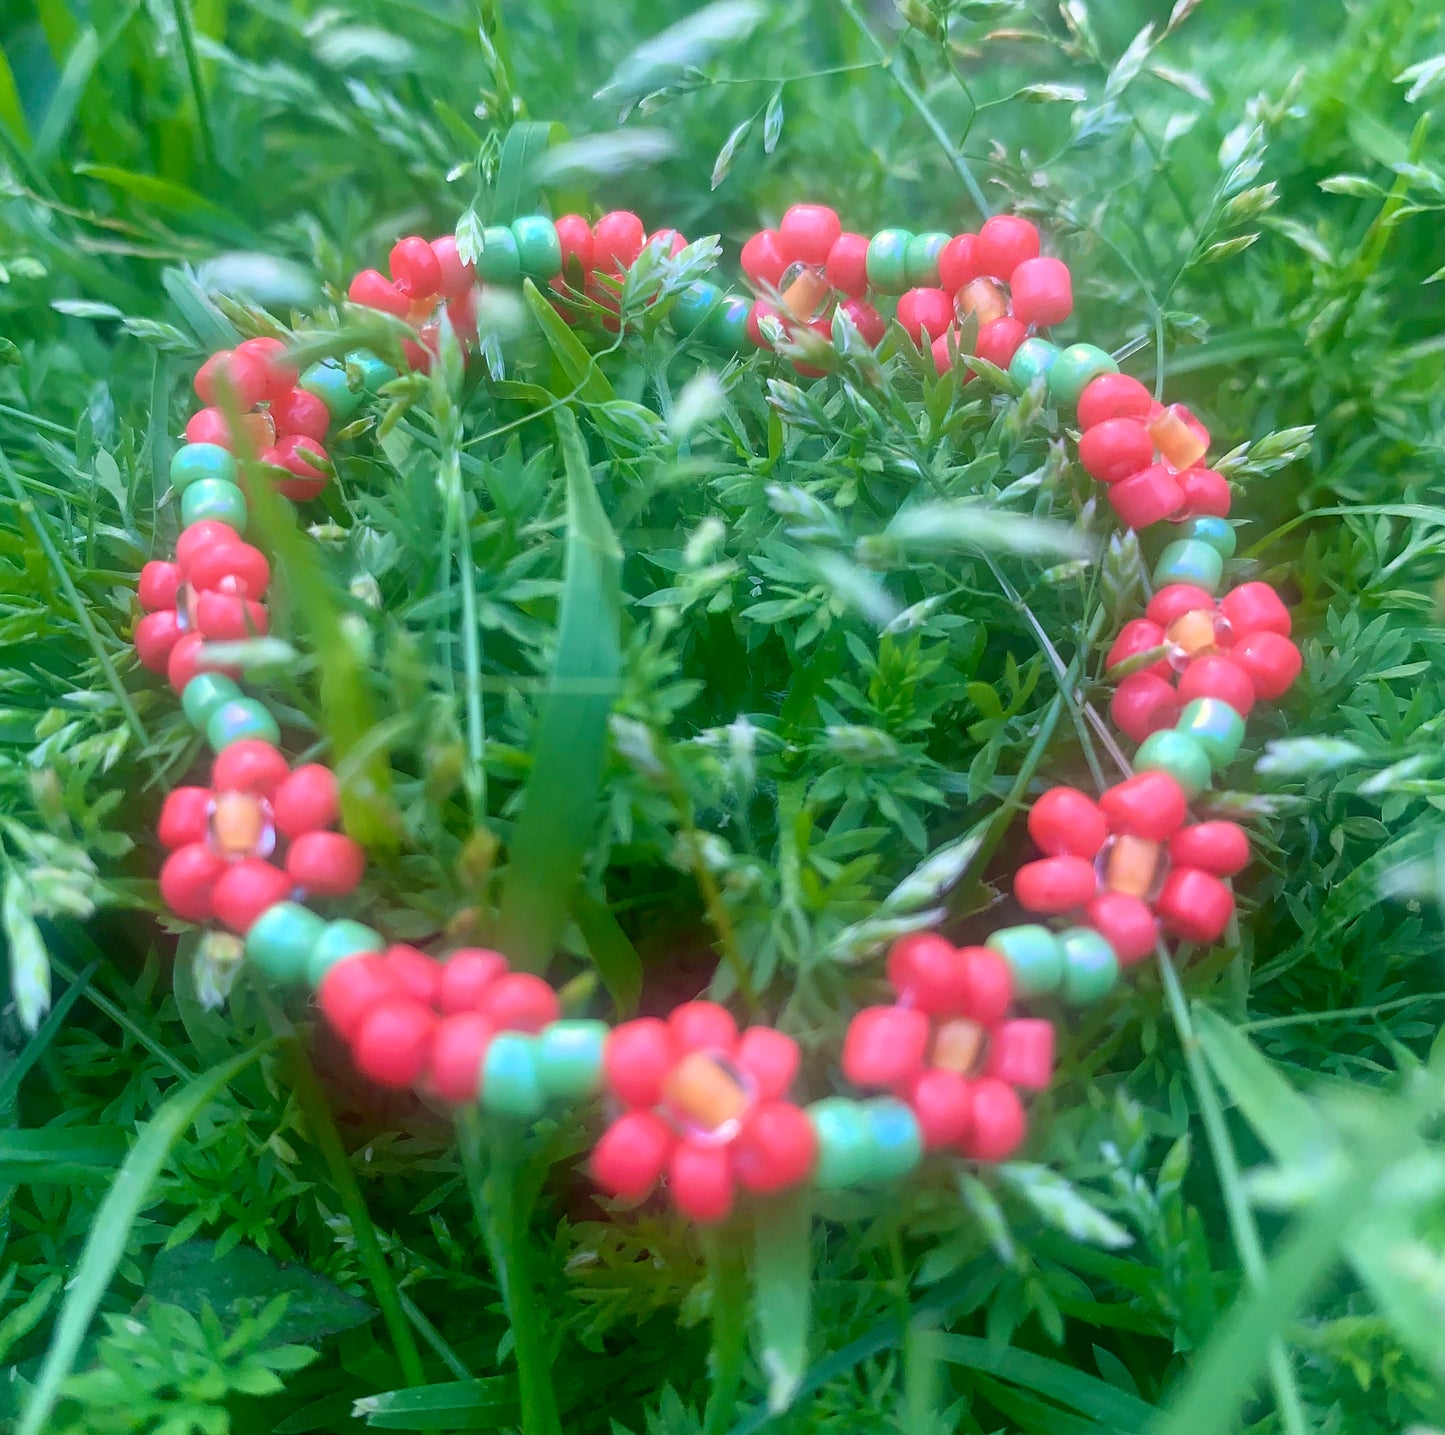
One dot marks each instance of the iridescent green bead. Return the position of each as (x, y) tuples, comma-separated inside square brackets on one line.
[(214, 498), (372, 372), (1184, 758), (329, 381), (569, 1058), (1073, 371), (888, 260), (894, 1138), (727, 325), (845, 1143), (499, 262), (1034, 956), (237, 718), (1218, 533), (193, 462), (1215, 726), (1032, 361), (511, 1083), (1091, 967), (340, 939), (1189, 560), (692, 306), (282, 941), (539, 250), (204, 694), (920, 260)]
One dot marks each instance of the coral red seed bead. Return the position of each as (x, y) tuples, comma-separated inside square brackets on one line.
[(671, 241), (245, 890), (940, 350), (209, 426), (185, 662), (1206, 493), (1042, 292), (159, 583), (1147, 498), (373, 290), (990, 985), (245, 373), (943, 1103), (281, 373), (222, 617), (232, 568), (417, 974), (575, 236), (997, 1124), (703, 1026), (155, 635), (298, 455), (1144, 703), (958, 262), (393, 1043), (808, 232), (465, 976), (1116, 449), (929, 972), (1112, 396), (325, 863), (847, 265), (1149, 804), (459, 1046), (1138, 635), (454, 278), (1054, 884), (1171, 603), (1272, 663), (188, 879), (925, 311), (1219, 677), (196, 538), (518, 1001), (249, 765), (306, 801), (885, 1046), (1064, 822), (352, 988), (632, 1154), (776, 1148), (617, 240), (770, 1058), (414, 267), (867, 320), (999, 340), (1195, 905), (1220, 848), (1126, 923), (1021, 1053), (185, 816), (299, 411), (1255, 608), (700, 1182), (760, 310), (1005, 242), (636, 1060), (763, 260)]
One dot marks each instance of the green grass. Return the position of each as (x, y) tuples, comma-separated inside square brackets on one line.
[(801, 716)]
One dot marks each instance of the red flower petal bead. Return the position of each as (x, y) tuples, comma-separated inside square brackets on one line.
[(990, 985), (1219, 677), (185, 816), (304, 458), (246, 374), (1206, 493), (299, 411), (1139, 635), (1113, 396), (198, 537), (325, 863), (245, 890), (617, 240), (575, 235), (185, 662), (155, 635), (1147, 498), (631, 1154), (636, 1060), (352, 988), (700, 1181), (1004, 242), (703, 1026), (770, 1058), (465, 976), (929, 971), (518, 1001), (1255, 608), (1174, 601), (808, 232), (374, 290), (761, 309), (1021, 1053), (885, 1046), (1149, 804), (942, 358), (414, 267), (958, 262), (1221, 848), (1064, 822), (187, 881), (999, 340), (1272, 663), (847, 265), (763, 260), (1195, 905), (867, 320), (1115, 449), (925, 311), (1042, 292), (671, 241), (223, 617), (775, 1149), (1126, 923), (417, 975), (1055, 884), (231, 568), (306, 801), (393, 1043), (1144, 703), (159, 583), (943, 1103), (454, 279), (281, 374), (459, 1046), (997, 1124), (250, 765)]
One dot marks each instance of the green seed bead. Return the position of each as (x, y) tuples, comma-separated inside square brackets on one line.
[(1189, 560), (920, 260), (1032, 361), (727, 325), (888, 260), (283, 940), (193, 462), (1218, 533), (1215, 726), (1073, 371), (1090, 965), (511, 1084), (538, 248), (895, 1138), (204, 694), (337, 940), (1184, 758), (569, 1058), (328, 380), (845, 1143), (499, 262), (214, 498), (237, 718), (372, 371), (692, 307), (1034, 956)]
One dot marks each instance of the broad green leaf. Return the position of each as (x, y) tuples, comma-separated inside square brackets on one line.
[(783, 1293), (1059, 1202), (486, 1404), (516, 193), (59, 1153), (612, 953), (578, 367)]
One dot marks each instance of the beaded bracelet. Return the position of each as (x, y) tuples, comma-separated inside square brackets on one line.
[(699, 1107)]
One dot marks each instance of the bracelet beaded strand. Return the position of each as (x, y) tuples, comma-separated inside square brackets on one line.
[(698, 1107)]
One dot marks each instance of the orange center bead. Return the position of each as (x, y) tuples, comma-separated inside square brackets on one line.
[(984, 298), (1180, 444), (1133, 866), (959, 1046), (240, 825), (1194, 634), (705, 1093), (805, 292)]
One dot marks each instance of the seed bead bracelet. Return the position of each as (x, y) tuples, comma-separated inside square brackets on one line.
[(698, 1107)]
